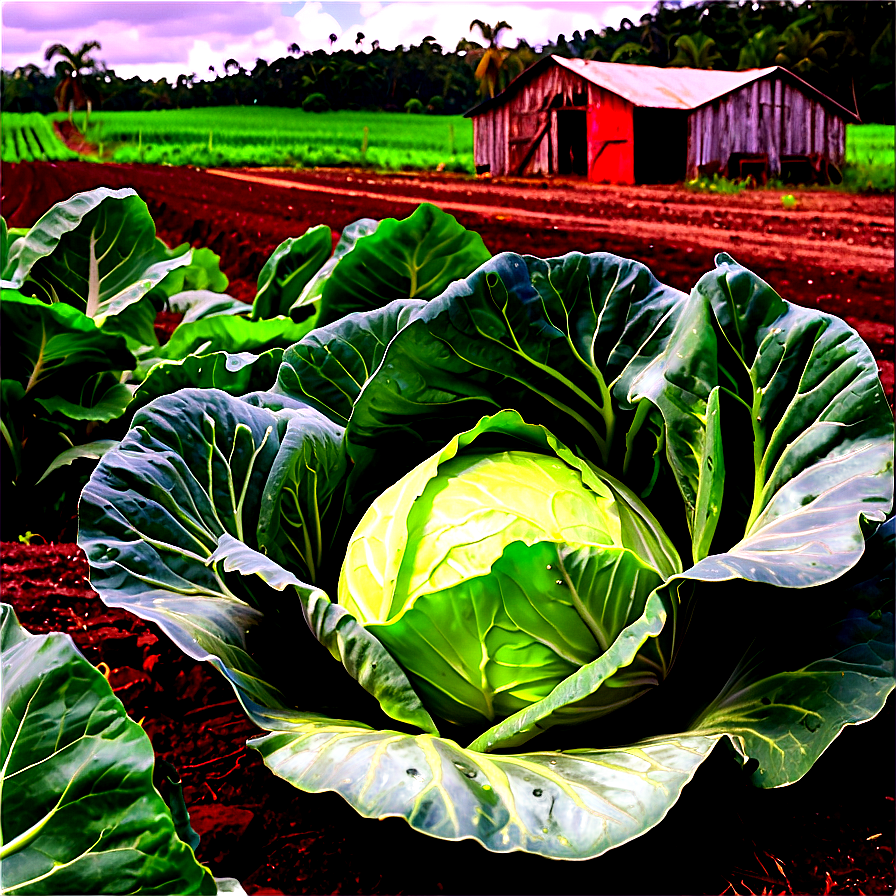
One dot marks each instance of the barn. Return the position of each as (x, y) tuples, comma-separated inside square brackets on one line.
[(618, 123)]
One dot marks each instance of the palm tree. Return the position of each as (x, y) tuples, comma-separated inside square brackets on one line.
[(695, 51), (74, 89), (760, 50), (491, 72)]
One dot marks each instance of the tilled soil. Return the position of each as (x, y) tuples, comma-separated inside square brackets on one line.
[(834, 251), (833, 832)]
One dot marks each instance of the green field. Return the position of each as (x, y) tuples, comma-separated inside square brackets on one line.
[(256, 135), (870, 157), (30, 137), (264, 136)]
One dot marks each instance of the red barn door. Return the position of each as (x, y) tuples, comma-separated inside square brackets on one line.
[(611, 156)]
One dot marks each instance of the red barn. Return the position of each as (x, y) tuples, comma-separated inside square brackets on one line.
[(629, 124)]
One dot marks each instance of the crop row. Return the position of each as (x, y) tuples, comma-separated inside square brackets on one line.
[(30, 137)]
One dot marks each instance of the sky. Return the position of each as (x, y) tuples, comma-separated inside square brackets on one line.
[(164, 39)]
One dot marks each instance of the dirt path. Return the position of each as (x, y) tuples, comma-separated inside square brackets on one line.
[(834, 251), (824, 229)]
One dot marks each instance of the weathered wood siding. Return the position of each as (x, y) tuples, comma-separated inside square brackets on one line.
[(503, 135), (768, 116)]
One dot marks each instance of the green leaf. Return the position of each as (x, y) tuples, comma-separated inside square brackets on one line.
[(329, 367), (304, 497), (288, 270), (225, 333), (202, 273), (829, 665), (235, 374), (96, 251), (821, 460), (4, 247), (89, 451), (110, 405), (416, 258), (347, 241), (581, 696), (572, 805), (55, 348), (362, 655), (80, 813), (196, 304), (557, 338), (193, 466)]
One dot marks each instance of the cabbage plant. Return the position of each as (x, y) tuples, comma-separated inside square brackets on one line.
[(561, 530)]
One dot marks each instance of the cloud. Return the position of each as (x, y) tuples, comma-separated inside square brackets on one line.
[(165, 39)]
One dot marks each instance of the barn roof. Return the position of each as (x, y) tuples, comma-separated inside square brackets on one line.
[(659, 88)]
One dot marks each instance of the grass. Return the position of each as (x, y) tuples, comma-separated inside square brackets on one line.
[(870, 157), (261, 136), (29, 137)]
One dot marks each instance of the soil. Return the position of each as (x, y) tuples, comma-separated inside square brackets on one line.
[(833, 251), (831, 833)]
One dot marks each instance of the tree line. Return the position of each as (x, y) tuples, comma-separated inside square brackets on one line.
[(844, 49)]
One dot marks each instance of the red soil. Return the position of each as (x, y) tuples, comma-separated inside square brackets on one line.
[(834, 251), (831, 833)]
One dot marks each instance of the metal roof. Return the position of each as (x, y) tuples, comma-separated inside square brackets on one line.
[(660, 88)]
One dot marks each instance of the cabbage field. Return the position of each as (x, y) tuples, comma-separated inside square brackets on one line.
[(487, 500), (242, 136)]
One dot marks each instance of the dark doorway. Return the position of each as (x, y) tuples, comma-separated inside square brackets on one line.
[(661, 145), (572, 141)]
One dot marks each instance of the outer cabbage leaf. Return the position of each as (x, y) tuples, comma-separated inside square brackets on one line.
[(202, 273), (815, 442), (329, 367), (80, 812), (558, 337), (829, 664), (45, 346), (235, 374), (290, 267), (197, 304), (351, 233), (153, 520), (96, 251), (223, 333), (572, 805), (411, 259)]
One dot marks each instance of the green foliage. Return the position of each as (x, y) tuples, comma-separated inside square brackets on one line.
[(30, 137), (511, 574), (315, 102), (81, 814), (245, 137), (870, 155), (413, 106)]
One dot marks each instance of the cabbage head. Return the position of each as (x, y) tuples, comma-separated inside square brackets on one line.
[(510, 559), (476, 586)]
